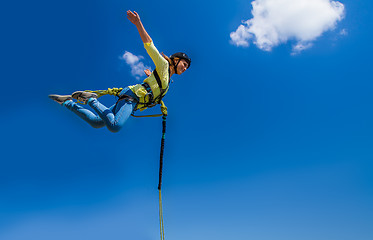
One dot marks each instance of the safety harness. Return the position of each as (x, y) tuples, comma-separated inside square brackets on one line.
[(153, 100)]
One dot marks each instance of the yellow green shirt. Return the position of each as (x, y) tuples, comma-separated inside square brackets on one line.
[(162, 67)]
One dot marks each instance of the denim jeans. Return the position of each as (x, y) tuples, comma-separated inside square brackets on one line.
[(113, 118)]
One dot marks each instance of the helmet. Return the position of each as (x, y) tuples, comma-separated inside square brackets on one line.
[(181, 56)]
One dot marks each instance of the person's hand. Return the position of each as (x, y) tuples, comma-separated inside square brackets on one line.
[(147, 72), (134, 17)]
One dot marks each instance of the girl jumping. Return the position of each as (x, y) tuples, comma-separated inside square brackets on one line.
[(131, 98)]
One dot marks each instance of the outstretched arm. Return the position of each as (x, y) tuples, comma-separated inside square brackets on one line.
[(134, 17)]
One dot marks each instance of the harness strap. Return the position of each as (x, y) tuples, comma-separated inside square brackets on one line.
[(123, 97), (158, 81), (160, 84)]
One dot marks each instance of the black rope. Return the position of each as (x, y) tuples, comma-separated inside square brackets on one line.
[(162, 150)]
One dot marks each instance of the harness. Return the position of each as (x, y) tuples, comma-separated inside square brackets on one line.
[(152, 100), (155, 100)]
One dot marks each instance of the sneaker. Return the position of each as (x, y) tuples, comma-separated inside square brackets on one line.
[(83, 96), (60, 98)]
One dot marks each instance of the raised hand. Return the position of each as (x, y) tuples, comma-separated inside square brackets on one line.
[(134, 17)]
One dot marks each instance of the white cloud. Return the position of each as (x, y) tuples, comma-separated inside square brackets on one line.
[(343, 32), (239, 37), (300, 46), (278, 21), (137, 67)]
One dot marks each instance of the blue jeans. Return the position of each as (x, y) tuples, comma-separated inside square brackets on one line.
[(113, 118)]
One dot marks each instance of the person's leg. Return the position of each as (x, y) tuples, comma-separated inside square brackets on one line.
[(88, 116), (114, 121)]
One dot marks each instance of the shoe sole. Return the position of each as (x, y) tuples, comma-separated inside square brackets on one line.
[(83, 96), (60, 98)]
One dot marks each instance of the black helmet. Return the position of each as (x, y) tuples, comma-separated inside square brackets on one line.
[(181, 56)]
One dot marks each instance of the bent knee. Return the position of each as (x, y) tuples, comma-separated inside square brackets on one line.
[(97, 124), (114, 128)]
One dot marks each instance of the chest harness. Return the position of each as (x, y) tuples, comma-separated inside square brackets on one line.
[(155, 100)]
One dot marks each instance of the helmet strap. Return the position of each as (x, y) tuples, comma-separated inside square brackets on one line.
[(175, 65)]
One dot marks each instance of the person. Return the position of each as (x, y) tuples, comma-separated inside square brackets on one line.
[(131, 98)]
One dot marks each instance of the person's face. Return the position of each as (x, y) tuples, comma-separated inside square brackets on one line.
[(182, 66)]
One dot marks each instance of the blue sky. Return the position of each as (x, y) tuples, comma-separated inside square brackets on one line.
[(263, 145)]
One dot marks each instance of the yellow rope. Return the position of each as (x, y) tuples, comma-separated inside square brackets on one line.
[(161, 215), (110, 91)]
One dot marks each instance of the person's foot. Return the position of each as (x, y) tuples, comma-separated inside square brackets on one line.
[(83, 96), (60, 98)]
